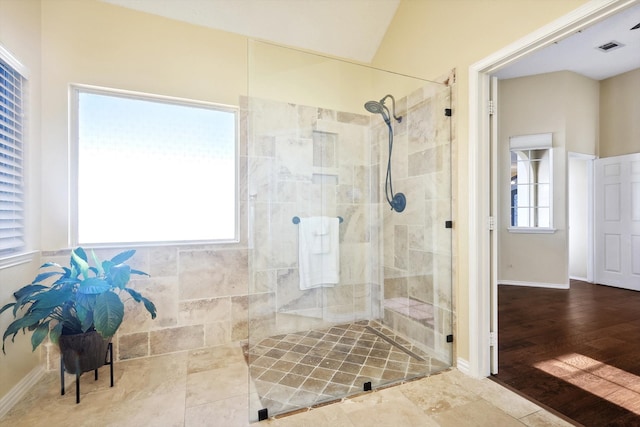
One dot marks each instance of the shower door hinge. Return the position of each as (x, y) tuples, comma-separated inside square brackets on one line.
[(448, 224), (450, 338), (493, 339), (447, 112), (492, 107), (492, 223), (263, 414)]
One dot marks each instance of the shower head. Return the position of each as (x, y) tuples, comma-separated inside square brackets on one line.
[(373, 107), (376, 107)]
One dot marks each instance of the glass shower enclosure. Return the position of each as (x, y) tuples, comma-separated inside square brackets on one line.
[(346, 294)]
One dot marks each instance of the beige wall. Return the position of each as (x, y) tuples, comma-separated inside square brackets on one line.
[(428, 37), (565, 104), (582, 113), (20, 35), (93, 43), (620, 109)]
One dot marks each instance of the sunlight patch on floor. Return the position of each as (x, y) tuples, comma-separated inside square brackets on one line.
[(615, 385)]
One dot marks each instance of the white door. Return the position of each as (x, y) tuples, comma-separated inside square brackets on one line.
[(617, 225)]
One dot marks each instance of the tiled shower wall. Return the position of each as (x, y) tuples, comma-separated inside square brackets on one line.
[(309, 161), (416, 245)]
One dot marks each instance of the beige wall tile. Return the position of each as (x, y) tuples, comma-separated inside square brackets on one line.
[(217, 333), (207, 274), (133, 346), (200, 311), (176, 339), (163, 261), (163, 292)]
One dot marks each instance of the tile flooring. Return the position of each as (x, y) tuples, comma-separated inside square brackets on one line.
[(209, 387), (306, 368)]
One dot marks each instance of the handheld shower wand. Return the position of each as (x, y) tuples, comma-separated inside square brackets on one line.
[(397, 201)]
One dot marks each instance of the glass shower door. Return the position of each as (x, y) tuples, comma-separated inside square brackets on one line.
[(374, 313)]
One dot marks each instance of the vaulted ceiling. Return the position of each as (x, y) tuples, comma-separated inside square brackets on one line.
[(350, 29), (353, 29)]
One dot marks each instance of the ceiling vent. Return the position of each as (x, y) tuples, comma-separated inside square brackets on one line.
[(608, 47)]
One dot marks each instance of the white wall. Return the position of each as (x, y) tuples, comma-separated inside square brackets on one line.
[(578, 217)]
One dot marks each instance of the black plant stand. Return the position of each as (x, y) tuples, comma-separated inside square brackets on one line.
[(78, 373)]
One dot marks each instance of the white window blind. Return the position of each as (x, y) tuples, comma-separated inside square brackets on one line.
[(152, 169), (11, 160)]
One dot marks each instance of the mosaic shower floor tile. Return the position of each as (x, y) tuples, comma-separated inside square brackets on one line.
[(303, 369)]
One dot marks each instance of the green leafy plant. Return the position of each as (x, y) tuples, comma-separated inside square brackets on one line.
[(80, 299)]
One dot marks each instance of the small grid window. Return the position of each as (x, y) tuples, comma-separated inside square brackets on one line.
[(12, 232), (151, 169), (531, 189)]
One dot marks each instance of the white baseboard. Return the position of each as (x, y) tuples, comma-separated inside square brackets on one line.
[(463, 366), (534, 284), (19, 390), (582, 279)]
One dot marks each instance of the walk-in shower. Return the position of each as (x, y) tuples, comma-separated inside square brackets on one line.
[(397, 201), (313, 155)]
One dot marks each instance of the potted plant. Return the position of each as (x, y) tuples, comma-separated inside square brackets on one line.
[(80, 310)]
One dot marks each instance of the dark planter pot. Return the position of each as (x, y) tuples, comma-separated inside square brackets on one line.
[(83, 352)]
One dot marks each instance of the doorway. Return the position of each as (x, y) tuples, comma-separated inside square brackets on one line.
[(580, 202), (481, 285)]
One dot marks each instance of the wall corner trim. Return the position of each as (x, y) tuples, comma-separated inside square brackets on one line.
[(463, 366), (20, 389)]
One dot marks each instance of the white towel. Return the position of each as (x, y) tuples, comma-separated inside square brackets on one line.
[(320, 228), (318, 252)]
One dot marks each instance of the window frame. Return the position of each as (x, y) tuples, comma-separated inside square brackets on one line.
[(74, 91), (530, 143), (23, 254)]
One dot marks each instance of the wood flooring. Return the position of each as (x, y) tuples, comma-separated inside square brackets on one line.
[(575, 351)]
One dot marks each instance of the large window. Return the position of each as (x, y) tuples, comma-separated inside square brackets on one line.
[(151, 169), (531, 182), (12, 232)]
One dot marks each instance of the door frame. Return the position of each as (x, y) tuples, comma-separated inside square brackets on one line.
[(588, 159), (481, 259)]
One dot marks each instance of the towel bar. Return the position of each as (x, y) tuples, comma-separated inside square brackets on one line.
[(296, 219)]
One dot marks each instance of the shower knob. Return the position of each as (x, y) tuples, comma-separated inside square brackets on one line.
[(399, 202)]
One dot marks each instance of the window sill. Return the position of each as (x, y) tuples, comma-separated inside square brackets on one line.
[(531, 230), (18, 259)]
